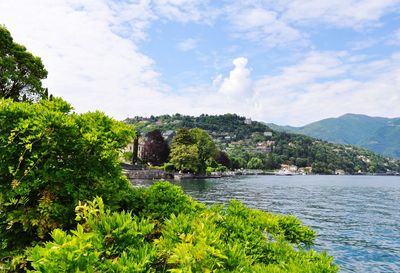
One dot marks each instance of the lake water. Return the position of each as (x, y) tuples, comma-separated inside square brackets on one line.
[(357, 218)]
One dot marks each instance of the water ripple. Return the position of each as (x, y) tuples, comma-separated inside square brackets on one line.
[(357, 219)]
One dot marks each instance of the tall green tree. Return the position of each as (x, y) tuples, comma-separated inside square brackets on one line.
[(183, 137), (186, 144), (21, 73), (185, 158), (206, 146), (255, 163)]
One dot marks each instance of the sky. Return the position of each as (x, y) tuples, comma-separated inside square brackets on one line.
[(289, 62)]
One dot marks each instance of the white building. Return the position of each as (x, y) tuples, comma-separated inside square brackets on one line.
[(248, 121)]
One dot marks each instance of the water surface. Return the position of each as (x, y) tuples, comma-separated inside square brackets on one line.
[(357, 218)]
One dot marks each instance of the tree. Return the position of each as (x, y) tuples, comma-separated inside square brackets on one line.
[(238, 162), (223, 159), (255, 163), (182, 137), (271, 162), (134, 158), (50, 159), (192, 140), (20, 72), (205, 145), (156, 149), (185, 158)]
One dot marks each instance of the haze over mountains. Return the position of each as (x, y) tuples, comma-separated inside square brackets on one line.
[(381, 135)]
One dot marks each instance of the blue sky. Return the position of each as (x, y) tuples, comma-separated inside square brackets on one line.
[(288, 62)]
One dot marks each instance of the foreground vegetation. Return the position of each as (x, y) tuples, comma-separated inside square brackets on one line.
[(169, 232), (66, 207)]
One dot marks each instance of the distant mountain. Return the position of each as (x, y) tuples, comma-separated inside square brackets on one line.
[(381, 135)]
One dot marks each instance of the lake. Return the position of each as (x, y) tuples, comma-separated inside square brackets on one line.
[(357, 218)]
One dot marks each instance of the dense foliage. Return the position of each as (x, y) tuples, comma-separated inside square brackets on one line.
[(229, 123), (169, 232), (242, 140), (192, 150), (20, 72), (50, 159)]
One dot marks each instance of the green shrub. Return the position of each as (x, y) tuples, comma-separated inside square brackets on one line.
[(187, 238), (239, 239), (105, 242), (50, 159), (161, 200), (168, 167)]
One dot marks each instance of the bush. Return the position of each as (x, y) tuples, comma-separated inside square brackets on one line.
[(50, 159), (161, 200), (168, 167), (255, 163), (105, 242), (191, 239)]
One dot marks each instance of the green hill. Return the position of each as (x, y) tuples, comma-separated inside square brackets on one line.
[(381, 135), (244, 139)]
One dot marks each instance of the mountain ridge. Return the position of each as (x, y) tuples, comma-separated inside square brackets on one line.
[(378, 134)]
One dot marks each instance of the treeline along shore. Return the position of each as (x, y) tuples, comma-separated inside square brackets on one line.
[(212, 144)]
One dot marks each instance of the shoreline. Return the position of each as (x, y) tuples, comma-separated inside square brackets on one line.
[(156, 174)]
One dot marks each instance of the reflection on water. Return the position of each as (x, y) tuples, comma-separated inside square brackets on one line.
[(357, 218)]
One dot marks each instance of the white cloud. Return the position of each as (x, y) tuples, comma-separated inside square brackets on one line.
[(89, 63), (264, 26), (365, 43), (199, 11), (217, 81), (187, 44), (131, 19), (239, 82), (341, 13), (321, 86), (91, 51), (282, 23), (395, 38)]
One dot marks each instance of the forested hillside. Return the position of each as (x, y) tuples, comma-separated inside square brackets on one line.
[(244, 140)]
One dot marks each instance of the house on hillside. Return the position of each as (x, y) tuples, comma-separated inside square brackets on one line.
[(364, 158), (289, 168), (168, 135), (268, 134), (129, 147), (140, 150), (262, 147), (136, 147), (340, 172), (248, 121)]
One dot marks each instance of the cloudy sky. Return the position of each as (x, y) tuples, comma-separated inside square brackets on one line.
[(288, 62)]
